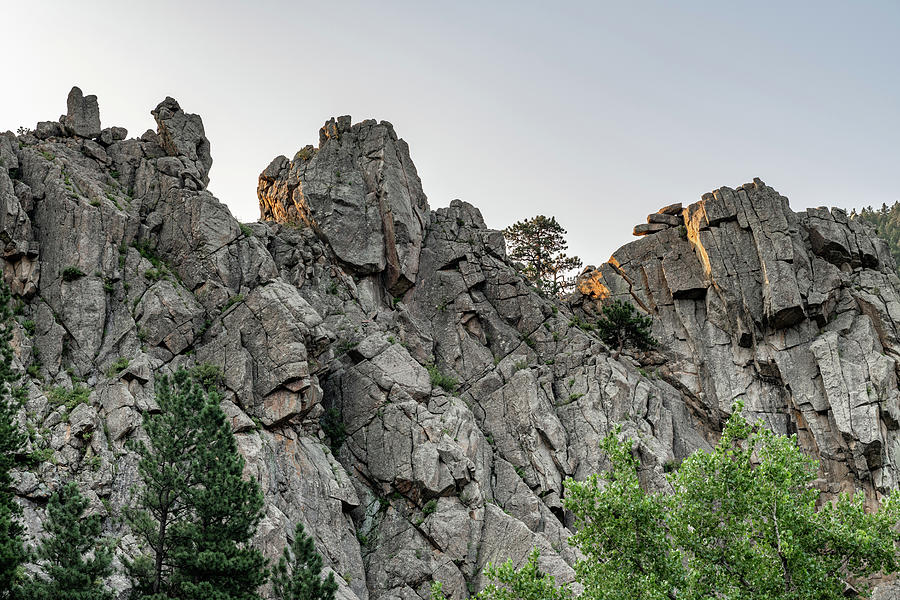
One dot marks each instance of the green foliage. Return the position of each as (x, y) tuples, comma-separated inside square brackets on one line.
[(160, 269), (745, 516), (12, 443), (73, 559), (332, 423), (245, 230), (298, 574), (195, 513), (508, 583), (539, 244), (232, 301), (208, 375), (430, 507), (69, 398), (744, 522), (621, 532), (445, 382), (621, 325), (886, 221), (72, 273), (117, 367), (213, 557), (29, 326), (156, 274)]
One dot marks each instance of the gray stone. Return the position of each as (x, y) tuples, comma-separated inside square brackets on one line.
[(48, 129), (671, 209), (665, 219), (82, 420), (83, 115), (456, 399), (360, 192), (110, 135), (649, 228), (181, 134)]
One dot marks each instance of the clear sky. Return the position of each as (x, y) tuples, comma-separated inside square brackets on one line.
[(594, 112)]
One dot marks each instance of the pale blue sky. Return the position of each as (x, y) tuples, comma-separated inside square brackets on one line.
[(595, 112)]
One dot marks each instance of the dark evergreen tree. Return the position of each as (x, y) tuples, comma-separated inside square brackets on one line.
[(886, 221), (539, 244), (196, 513), (12, 441), (621, 325), (298, 575), (73, 558), (214, 559), (165, 468)]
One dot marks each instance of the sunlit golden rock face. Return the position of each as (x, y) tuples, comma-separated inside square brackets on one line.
[(590, 284)]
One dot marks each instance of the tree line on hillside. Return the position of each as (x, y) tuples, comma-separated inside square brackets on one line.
[(194, 513), (886, 221)]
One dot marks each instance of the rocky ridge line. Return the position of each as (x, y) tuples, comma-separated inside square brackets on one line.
[(343, 298)]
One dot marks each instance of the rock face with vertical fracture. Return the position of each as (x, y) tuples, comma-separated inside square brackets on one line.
[(392, 381), (796, 313), (361, 193)]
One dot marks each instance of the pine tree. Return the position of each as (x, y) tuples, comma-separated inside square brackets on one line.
[(886, 221), (197, 514), (214, 559), (165, 468), (299, 577), (621, 325), (68, 573), (12, 440), (539, 244)]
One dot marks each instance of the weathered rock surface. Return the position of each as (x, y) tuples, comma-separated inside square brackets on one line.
[(333, 320), (360, 192), (797, 314), (82, 115)]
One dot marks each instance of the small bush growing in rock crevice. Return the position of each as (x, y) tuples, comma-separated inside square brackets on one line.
[(445, 382), (332, 423), (72, 273), (69, 398), (208, 375), (119, 365)]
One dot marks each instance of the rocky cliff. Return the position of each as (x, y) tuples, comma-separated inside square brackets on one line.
[(392, 380)]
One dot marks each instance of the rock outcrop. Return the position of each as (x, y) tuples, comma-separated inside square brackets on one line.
[(797, 314), (360, 192), (392, 380)]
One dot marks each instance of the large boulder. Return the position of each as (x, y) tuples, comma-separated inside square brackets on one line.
[(82, 115)]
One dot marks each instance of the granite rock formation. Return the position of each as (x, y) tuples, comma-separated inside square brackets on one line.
[(392, 380)]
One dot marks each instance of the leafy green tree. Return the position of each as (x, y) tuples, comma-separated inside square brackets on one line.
[(621, 325), (12, 441), (744, 522), (196, 513), (298, 574), (622, 533), (509, 583), (73, 558), (539, 244), (746, 517)]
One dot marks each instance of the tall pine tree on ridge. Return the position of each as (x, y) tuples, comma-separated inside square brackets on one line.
[(12, 441)]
